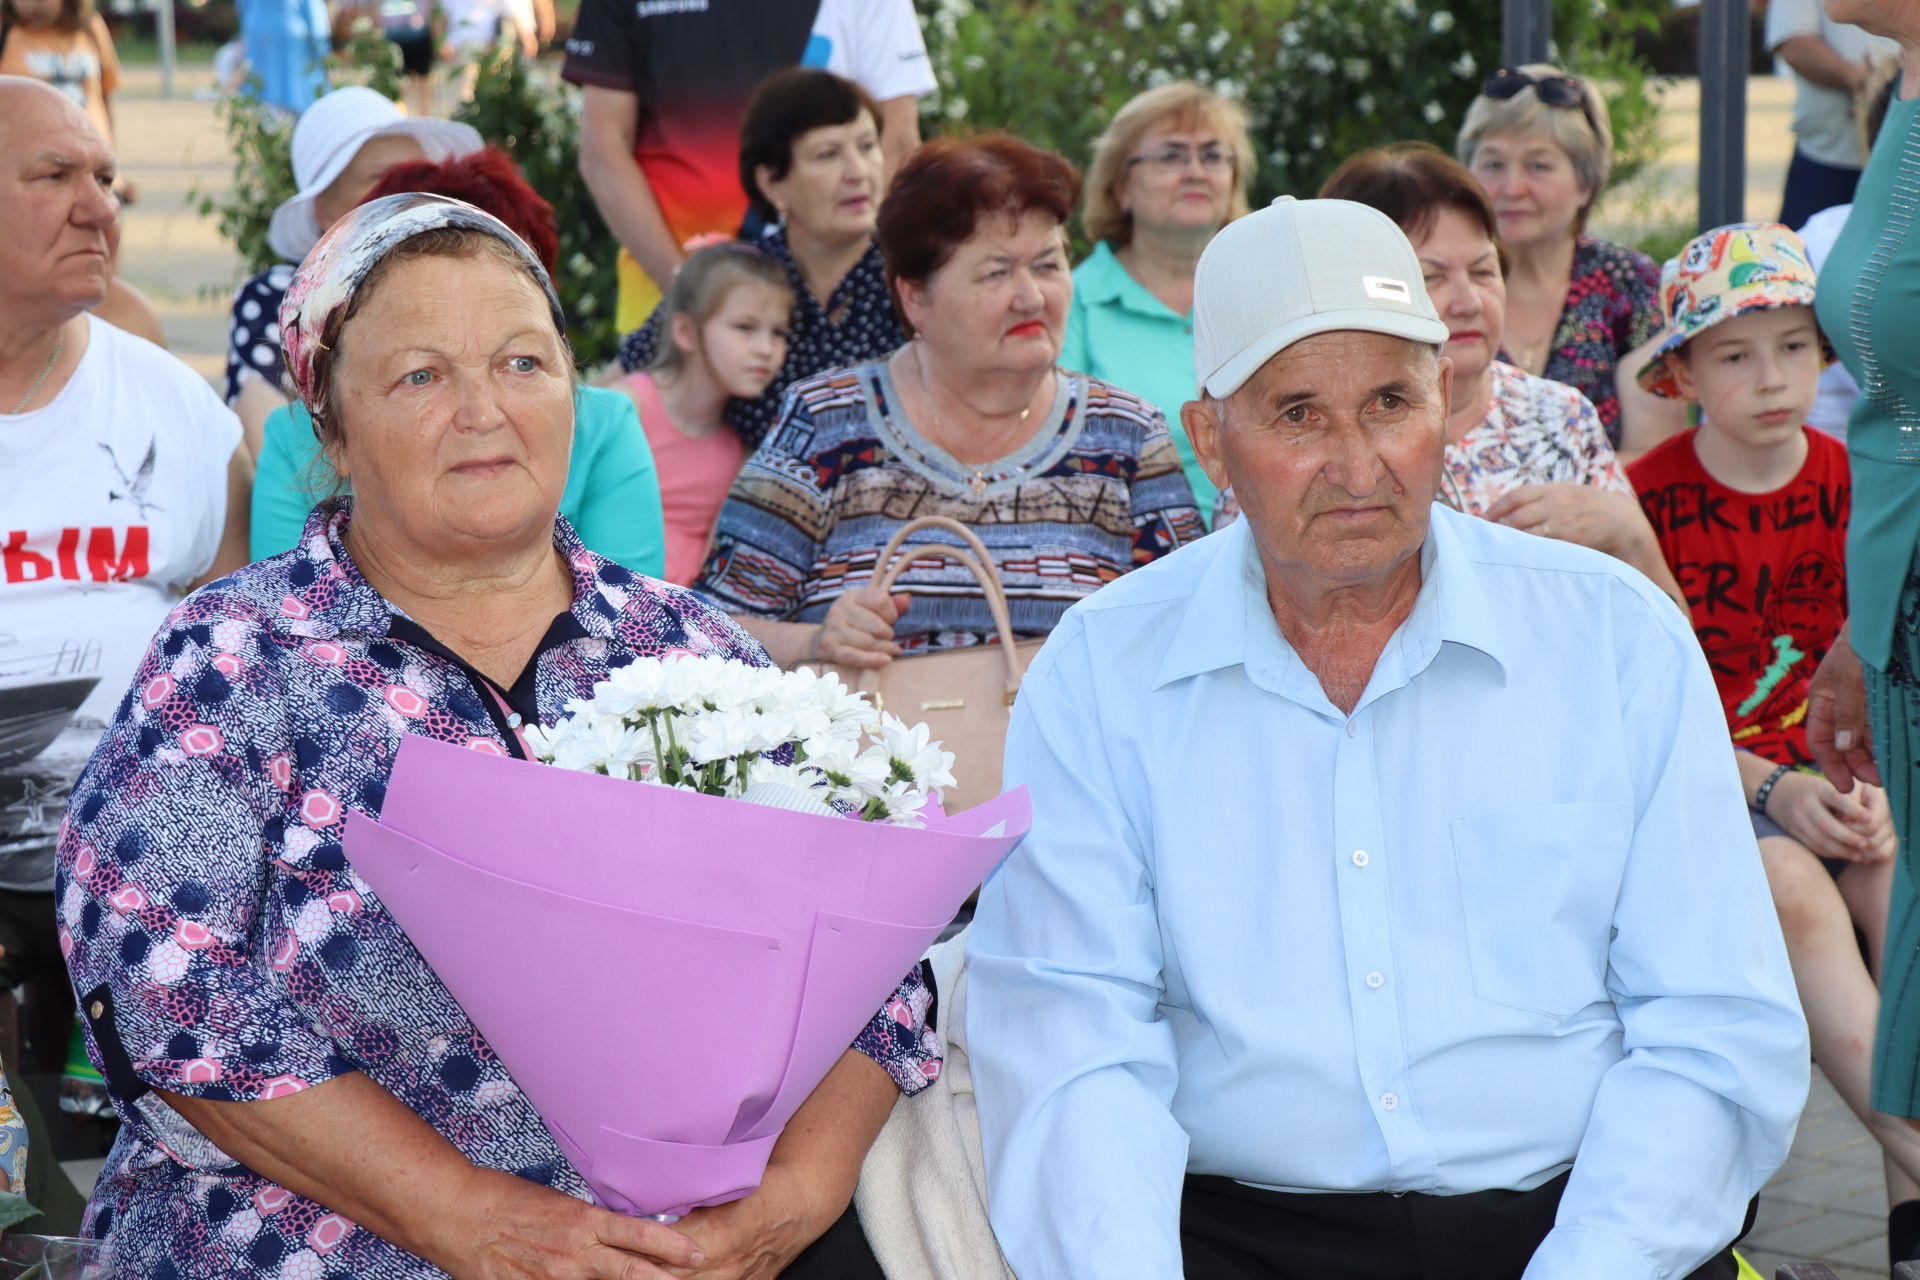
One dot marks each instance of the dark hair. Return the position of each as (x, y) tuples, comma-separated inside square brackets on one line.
[(701, 285), (1411, 182), (941, 195), (786, 105), (74, 17), (489, 180)]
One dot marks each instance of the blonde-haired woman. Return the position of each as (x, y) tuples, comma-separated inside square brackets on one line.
[(1171, 169), (1578, 308)]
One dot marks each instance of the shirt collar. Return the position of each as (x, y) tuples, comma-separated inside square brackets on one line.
[(1103, 279), (1228, 621), (330, 597)]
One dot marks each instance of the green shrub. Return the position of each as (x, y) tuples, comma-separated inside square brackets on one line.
[(1320, 79), (531, 119)]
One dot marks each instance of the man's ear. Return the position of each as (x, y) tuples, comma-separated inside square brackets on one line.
[(1201, 418)]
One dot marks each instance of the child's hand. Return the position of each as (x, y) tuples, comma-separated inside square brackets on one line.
[(1829, 823), (1880, 830)]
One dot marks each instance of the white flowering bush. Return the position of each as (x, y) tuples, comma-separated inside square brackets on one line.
[(1321, 79), (790, 739)]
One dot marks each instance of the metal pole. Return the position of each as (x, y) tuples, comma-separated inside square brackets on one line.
[(163, 35), (1526, 30), (1724, 38)]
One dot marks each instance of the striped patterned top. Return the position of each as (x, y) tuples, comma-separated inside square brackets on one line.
[(1096, 491)]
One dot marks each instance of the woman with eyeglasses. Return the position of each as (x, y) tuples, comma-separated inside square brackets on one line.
[(1578, 308), (1171, 169)]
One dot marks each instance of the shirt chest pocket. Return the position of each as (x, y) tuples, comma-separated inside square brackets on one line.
[(1537, 891)]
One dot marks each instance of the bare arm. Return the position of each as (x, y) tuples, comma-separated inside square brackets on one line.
[(257, 399), (1815, 59), (1645, 419), (899, 133), (352, 1146), (809, 1181), (858, 632), (609, 125), (233, 552)]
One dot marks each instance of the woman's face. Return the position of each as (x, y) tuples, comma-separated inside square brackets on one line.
[(832, 188), (1536, 194), (36, 13), (368, 166), (1000, 302), (454, 402), (1178, 181), (1462, 271)]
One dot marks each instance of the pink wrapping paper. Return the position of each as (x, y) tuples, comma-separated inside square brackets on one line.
[(666, 975)]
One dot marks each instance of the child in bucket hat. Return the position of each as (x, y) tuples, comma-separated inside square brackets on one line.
[(1750, 509)]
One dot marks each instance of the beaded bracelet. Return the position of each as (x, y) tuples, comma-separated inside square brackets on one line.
[(1766, 788)]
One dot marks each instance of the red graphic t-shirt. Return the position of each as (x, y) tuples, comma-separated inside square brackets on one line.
[(1764, 575)]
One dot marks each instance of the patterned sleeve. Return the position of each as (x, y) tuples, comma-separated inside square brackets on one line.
[(1597, 463), (637, 348), (1638, 278), (901, 1039), (1165, 516), (162, 879), (13, 1139), (771, 528)]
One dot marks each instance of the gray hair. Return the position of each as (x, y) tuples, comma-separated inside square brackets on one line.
[(1586, 136)]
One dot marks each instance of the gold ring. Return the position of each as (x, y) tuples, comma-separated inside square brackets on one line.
[(1546, 528)]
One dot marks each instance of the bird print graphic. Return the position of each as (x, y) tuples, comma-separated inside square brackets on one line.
[(134, 489)]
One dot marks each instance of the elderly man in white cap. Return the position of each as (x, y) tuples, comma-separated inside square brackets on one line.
[(342, 146), (1390, 909)]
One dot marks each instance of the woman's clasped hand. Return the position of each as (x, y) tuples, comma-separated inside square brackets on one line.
[(858, 629), (518, 1230)]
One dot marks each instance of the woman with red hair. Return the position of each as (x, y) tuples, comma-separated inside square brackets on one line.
[(1068, 481), (612, 497)]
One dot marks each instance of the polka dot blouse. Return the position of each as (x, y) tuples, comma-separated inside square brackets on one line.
[(253, 343)]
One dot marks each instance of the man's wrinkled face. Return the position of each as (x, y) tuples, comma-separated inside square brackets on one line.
[(1333, 450), (56, 202)]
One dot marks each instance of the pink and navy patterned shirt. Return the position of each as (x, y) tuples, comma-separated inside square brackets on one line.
[(223, 948)]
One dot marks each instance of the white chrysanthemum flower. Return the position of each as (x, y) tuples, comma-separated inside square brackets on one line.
[(857, 776), (911, 751), (718, 735)]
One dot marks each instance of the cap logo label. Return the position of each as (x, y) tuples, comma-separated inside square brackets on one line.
[(1389, 290)]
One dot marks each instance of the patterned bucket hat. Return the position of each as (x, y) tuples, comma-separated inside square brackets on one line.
[(1748, 266)]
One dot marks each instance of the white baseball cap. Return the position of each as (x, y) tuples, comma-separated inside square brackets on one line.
[(1297, 268), (327, 138)]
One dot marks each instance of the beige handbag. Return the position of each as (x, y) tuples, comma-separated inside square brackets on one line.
[(964, 696)]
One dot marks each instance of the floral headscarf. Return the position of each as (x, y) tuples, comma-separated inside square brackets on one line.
[(333, 272)]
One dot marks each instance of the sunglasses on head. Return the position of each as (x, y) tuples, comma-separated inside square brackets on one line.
[(1555, 91)]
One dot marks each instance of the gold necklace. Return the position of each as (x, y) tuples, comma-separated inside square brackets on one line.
[(979, 481)]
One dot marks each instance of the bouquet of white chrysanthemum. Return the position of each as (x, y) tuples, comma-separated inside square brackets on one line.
[(789, 739)]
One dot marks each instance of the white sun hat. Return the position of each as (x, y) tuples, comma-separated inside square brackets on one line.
[(1297, 268), (327, 138)]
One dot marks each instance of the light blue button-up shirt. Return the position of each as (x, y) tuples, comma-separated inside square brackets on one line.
[(1507, 913)]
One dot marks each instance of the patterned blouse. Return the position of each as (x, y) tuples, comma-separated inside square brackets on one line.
[(1613, 305), (1097, 491), (867, 330), (222, 946), (253, 343), (1535, 432)]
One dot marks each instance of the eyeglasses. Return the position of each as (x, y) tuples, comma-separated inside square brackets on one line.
[(1555, 91), (1174, 158)]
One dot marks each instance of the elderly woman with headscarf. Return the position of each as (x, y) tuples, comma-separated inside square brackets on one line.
[(301, 1095)]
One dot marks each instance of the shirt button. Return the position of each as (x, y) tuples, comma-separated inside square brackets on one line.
[(1388, 1101), (97, 1010), (317, 1029), (1376, 980), (1352, 728), (1360, 858)]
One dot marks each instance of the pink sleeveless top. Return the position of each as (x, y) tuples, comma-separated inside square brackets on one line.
[(695, 475)]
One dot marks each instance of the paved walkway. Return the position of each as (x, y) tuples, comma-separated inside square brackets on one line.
[(1827, 1204)]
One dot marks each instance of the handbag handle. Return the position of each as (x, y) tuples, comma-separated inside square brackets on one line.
[(895, 558)]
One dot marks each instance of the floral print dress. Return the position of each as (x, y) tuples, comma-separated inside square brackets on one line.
[(1613, 306), (222, 946)]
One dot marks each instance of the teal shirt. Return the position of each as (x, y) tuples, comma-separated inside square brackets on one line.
[(1868, 301), (1120, 333), (612, 498)]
